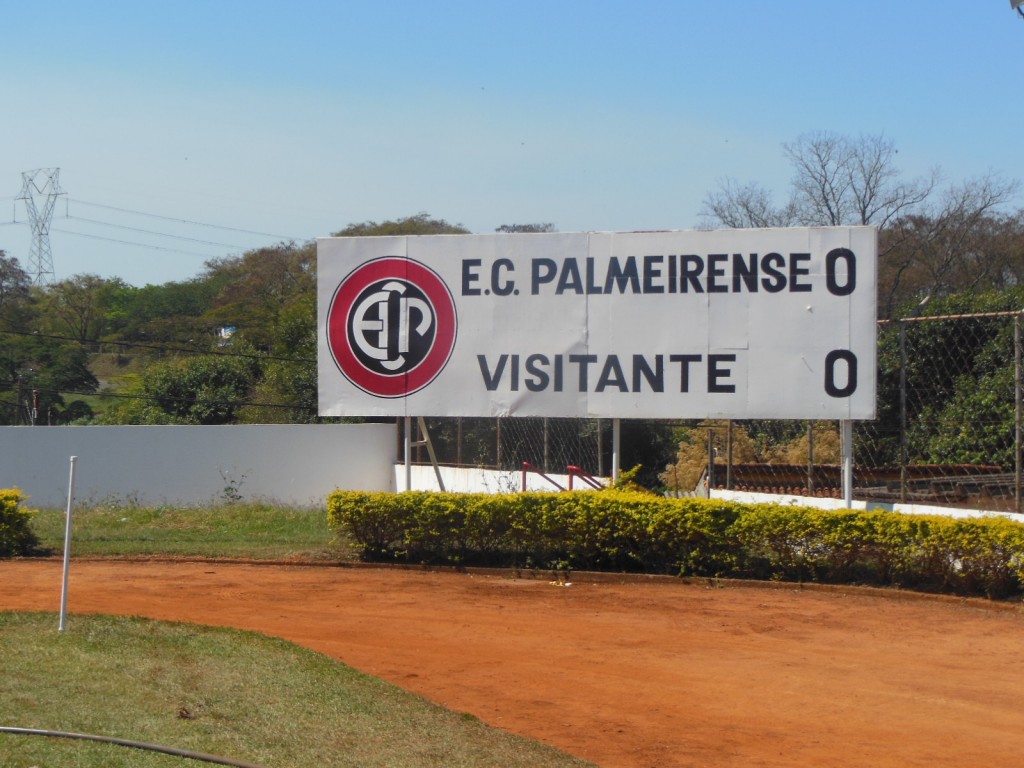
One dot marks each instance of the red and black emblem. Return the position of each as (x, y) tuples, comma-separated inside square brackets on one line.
[(391, 326)]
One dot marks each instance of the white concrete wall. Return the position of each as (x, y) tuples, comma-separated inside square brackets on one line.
[(479, 480), (748, 497), (291, 464)]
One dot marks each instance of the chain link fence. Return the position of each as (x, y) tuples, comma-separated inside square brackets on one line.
[(549, 444), (947, 431)]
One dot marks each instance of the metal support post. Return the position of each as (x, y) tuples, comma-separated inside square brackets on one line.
[(846, 437), (62, 624), (616, 448), (1018, 413)]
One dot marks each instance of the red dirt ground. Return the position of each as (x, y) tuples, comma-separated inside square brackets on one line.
[(644, 674)]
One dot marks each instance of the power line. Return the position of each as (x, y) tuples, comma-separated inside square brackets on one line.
[(153, 232), (162, 348), (184, 221), (131, 242), (185, 399)]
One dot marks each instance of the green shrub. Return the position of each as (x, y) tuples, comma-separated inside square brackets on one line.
[(16, 537), (617, 530)]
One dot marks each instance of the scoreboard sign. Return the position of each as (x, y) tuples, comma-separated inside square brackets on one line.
[(753, 323)]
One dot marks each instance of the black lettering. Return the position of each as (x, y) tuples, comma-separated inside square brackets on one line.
[(570, 279), (622, 276), (673, 274), (499, 287), (716, 372), (774, 280), (652, 273), (716, 271), (684, 368), (592, 286), (612, 375), (691, 268), (491, 381), (541, 378), (515, 373), (541, 271), (583, 361), (796, 272), (744, 272), (469, 277), (831, 359), (655, 378), (851, 272)]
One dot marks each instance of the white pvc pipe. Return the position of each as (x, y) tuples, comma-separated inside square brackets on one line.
[(408, 453), (67, 549), (846, 439), (616, 448)]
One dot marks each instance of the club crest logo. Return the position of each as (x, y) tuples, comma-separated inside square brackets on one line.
[(391, 326)]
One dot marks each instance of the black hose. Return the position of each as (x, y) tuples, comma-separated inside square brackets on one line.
[(128, 743)]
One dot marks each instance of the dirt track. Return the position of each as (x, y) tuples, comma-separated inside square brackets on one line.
[(623, 674)]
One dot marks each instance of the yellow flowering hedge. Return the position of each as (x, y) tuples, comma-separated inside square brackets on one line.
[(16, 537), (634, 532)]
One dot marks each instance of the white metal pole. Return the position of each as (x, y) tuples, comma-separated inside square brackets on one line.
[(67, 549), (408, 453), (846, 438), (616, 447)]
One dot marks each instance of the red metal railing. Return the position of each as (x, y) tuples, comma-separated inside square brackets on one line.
[(585, 476), (572, 471), (528, 467)]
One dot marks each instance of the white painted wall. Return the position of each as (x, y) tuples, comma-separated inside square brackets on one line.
[(292, 464), (748, 497), (479, 480)]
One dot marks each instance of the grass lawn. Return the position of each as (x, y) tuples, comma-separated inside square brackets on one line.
[(243, 530), (235, 694)]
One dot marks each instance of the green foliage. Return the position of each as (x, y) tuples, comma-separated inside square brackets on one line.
[(637, 532), (164, 313), (198, 390), (617, 530), (288, 390), (14, 292), (533, 228), (16, 537), (255, 289), (419, 224), (48, 366)]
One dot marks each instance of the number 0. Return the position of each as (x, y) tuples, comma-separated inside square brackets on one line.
[(831, 359)]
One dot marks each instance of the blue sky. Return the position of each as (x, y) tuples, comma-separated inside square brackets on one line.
[(265, 121)]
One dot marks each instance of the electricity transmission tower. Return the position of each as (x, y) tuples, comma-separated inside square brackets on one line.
[(44, 183)]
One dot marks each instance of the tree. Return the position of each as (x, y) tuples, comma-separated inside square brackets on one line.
[(170, 312), (962, 243), (419, 224), (529, 228), (692, 456), (287, 393), (254, 289), (840, 180), (49, 367), (837, 180), (14, 291), (79, 307), (210, 389), (959, 242), (743, 206)]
